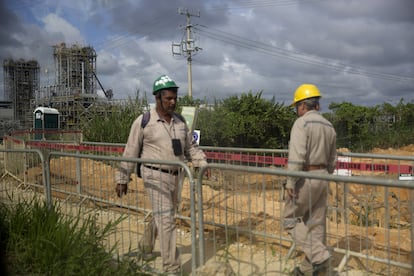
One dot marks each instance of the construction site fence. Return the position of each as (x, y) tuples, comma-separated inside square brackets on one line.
[(348, 163), (234, 215), (49, 135), (84, 184)]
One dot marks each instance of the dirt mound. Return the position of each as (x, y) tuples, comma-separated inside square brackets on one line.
[(404, 151)]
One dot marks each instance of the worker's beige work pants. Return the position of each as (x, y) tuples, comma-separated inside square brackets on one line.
[(304, 219), (162, 191)]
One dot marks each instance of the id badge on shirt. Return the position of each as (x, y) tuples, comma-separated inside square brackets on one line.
[(176, 145)]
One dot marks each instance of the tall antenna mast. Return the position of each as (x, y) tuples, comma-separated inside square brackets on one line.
[(187, 47)]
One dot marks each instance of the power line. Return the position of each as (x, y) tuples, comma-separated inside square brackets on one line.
[(295, 56), (263, 3), (127, 36)]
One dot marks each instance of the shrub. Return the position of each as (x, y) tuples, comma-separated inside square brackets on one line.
[(40, 240)]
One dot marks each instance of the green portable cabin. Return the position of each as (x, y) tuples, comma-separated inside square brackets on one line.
[(45, 118)]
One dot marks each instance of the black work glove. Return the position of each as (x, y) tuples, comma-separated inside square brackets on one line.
[(121, 189)]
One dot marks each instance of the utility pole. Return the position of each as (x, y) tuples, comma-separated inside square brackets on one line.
[(187, 47)]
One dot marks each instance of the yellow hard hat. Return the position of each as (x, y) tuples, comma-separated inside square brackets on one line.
[(305, 91)]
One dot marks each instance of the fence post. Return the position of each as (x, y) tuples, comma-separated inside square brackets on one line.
[(78, 173), (46, 177), (412, 228), (25, 168)]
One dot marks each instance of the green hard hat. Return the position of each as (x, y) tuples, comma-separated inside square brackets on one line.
[(163, 82)]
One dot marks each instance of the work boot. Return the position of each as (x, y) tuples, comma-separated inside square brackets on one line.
[(146, 256), (304, 269), (297, 272), (323, 269), (145, 252)]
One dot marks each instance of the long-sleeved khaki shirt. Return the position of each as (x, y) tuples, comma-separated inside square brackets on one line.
[(156, 140), (312, 142)]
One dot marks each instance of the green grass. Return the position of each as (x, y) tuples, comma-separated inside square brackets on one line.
[(40, 240)]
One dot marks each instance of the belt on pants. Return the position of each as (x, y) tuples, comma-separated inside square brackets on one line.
[(314, 167), (162, 170)]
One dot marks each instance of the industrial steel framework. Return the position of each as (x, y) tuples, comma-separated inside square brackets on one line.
[(74, 91), (75, 68), (21, 82)]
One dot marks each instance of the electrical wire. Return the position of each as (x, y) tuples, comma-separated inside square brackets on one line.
[(145, 29), (263, 3), (161, 20), (295, 56)]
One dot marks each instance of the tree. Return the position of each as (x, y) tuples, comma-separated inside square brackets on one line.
[(249, 121), (362, 128), (353, 125), (246, 121)]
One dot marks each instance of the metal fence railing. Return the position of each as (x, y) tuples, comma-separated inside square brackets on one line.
[(243, 212), (234, 215), (84, 184), (348, 163)]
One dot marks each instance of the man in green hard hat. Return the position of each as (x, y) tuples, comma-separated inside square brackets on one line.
[(164, 135)]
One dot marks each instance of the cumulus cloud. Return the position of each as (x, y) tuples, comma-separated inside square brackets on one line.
[(359, 51), (62, 30)]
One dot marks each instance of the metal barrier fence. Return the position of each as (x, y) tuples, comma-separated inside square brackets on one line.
[(83, 184), (348, 163), (242, 216), (47, 134), (370, 211)]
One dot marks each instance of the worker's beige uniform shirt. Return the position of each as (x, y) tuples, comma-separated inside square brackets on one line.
[(156, 139), (312, 142)]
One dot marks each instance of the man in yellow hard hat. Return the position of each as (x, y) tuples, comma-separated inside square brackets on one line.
[(312, 147)]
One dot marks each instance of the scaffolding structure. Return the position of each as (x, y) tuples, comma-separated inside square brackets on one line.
[(21, 82), (75, 68), (74, 91)]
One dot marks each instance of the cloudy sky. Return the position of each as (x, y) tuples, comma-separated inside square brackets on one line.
[(359, 51)]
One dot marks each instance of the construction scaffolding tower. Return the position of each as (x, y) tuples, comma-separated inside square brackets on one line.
[(75, 68), (74, 91), (21, 82)]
